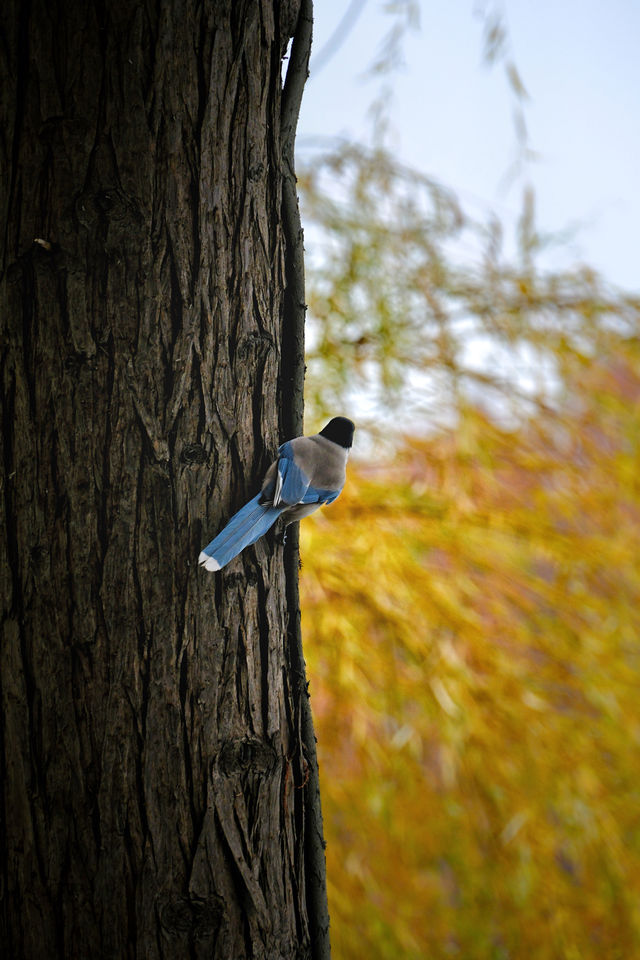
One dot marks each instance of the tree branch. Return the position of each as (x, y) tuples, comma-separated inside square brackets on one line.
[(292, 386), (294, 299)]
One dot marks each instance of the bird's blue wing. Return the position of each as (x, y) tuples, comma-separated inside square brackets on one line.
[(292, 483)]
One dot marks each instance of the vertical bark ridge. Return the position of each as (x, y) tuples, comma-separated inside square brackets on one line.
[(293, 389)]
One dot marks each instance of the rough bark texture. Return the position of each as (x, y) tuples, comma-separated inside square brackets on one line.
[(153, 769)]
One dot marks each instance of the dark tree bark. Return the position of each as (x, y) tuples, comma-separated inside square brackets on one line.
[(158, 778)]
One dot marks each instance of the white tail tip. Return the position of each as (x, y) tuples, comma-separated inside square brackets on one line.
[(209, 563)]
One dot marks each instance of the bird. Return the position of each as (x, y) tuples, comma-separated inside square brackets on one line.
[(308, 473)]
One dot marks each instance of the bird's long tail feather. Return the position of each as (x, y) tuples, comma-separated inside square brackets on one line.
[(248, 525)]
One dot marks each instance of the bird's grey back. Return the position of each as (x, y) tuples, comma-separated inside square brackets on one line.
[(323, 461)]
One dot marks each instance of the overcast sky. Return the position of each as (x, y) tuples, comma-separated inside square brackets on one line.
[(452, 115)]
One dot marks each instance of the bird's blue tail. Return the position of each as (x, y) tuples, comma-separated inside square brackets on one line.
[(248, 525)]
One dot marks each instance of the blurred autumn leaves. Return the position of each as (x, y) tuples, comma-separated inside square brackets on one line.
[(471, 605)]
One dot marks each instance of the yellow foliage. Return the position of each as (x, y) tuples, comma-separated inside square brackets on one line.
[(471, 616)]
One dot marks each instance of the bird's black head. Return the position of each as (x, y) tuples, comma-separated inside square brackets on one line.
[(340, 431)]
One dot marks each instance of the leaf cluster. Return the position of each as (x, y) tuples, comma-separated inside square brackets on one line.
[(415, 308)]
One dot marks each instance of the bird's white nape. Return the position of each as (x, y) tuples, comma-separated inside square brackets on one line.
[(209, 563)]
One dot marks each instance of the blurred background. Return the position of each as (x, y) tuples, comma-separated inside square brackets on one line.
[(471, 602)]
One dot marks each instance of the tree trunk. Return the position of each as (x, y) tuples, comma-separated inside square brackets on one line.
[(156, 783)]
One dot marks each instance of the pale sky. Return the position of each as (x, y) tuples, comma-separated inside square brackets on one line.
[(452, 115)]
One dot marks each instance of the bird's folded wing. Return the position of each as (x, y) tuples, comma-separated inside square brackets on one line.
[(291, 483)]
